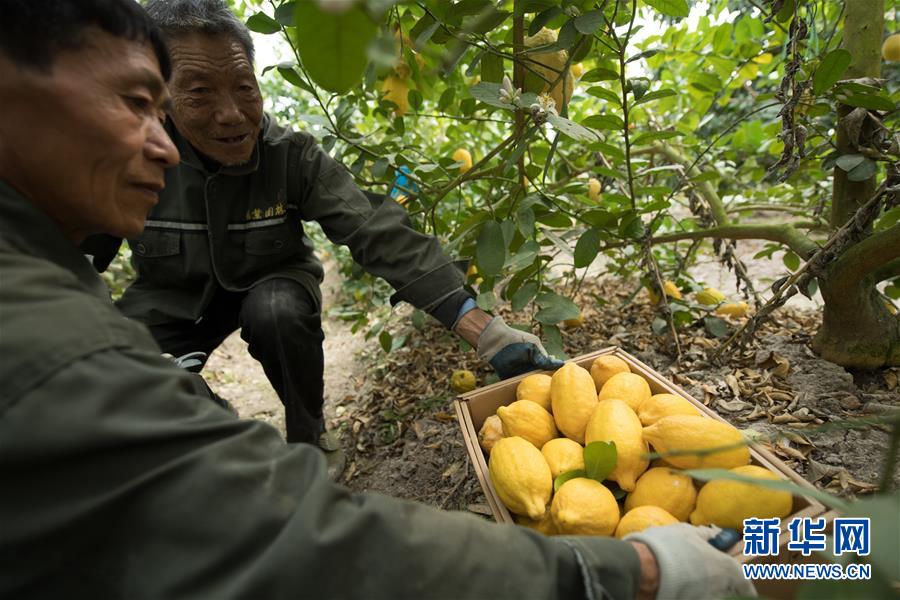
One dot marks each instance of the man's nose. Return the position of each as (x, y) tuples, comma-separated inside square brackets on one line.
[(228, 112), (159, 147)]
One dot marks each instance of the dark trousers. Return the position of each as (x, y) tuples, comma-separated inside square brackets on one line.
[(281, 322)]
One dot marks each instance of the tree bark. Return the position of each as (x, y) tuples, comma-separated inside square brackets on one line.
[(863, 26), (858, 330)]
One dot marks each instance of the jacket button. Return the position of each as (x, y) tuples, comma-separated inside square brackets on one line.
[(278, 244), (141, 248)]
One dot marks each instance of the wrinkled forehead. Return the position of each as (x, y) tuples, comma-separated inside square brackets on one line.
[(199, 55)]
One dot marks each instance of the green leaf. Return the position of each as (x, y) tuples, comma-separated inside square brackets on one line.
[(492, 68), (654, 135), (604, 122), (654, 95), (716, 327), (555, 308), (600, 459), (775, 484), (333, 46), (864, 170), (553, 342), (263, 23), (291, 76), (670, 8), (524, 295), (590, 22), (489, 93), (868, 101), (631, 226), (386, 340), (587, 248), (599, 74), (564, 477), (490, 251), (848, 162), (572, 129), (604, 94), (284, 14), (830, 70), (791, 261), (486, 300)]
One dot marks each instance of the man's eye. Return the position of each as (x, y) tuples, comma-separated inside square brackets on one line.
[(138, 102), (199, 90)]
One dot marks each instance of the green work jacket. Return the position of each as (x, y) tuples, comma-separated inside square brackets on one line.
[(120, 479), (238, 226)]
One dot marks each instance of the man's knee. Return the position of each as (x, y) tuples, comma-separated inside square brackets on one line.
[(279, 307)]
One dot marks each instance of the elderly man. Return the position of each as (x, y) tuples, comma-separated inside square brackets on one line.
[(121, 479), (225, 247)]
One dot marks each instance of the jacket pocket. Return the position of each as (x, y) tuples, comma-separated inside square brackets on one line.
[(275, 240), (154, 244)]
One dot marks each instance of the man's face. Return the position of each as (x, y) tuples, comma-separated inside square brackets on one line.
[(216, 102), (85, 142)]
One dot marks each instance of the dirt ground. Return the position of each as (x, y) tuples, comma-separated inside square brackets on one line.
[(395, 417)]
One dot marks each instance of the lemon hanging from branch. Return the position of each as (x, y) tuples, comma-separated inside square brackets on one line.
[(465, 158)]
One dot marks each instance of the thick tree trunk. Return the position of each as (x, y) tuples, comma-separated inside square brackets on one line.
[(858, 330)]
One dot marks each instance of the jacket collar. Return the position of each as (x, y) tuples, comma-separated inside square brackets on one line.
[(32, 232), (190, 157)]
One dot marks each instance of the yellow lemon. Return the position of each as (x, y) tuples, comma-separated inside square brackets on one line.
[(890, 49), (707, 443), (472, 271), (641, 518), (664, 405), (573, 398), (549, 65), (491, 431), (462, 381), (527, 420), (733, 309), (574, 323), (577, 70), (462, 156), (396, 89), (521, 477), (629, 387), (584, 507), (614, 421), (669, 288), (543, 525), (727, 503), (563, 454), (605, 367), (710, 296), (666, 488), (594, 188), (535, 388)]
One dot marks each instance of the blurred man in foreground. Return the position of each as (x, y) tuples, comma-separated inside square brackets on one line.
[(120, 478)]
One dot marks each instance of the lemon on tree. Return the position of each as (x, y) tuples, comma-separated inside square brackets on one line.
[(665, 488), (614, 421), (890, 49), (573, 398), (461, 155), (396, 90), (491, 431), (733, 309), (709, 296), (727, 503), (563, 454), (583, 506), (594, 189), (535, 388), (521, 477), (658, 406), (574, 323), (669, 288), (549, 66), (605, 367), (641, 518), (629, 387), (698, 442), (462, 381), (527, 420)]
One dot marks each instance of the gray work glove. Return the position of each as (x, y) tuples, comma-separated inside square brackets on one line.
[(512, 352), (689, 567)]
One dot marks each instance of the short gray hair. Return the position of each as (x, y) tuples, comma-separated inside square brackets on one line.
[(212, 17)]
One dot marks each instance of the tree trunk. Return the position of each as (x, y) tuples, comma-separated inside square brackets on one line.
[(863, 26), (858, 330)]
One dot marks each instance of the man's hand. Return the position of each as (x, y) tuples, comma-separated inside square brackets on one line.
[(511, 352), (689, 567)]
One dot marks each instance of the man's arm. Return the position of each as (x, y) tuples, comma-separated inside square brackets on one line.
[(127, 483)]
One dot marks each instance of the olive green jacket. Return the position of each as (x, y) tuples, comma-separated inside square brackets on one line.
[(241, 225), (120, 479)]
